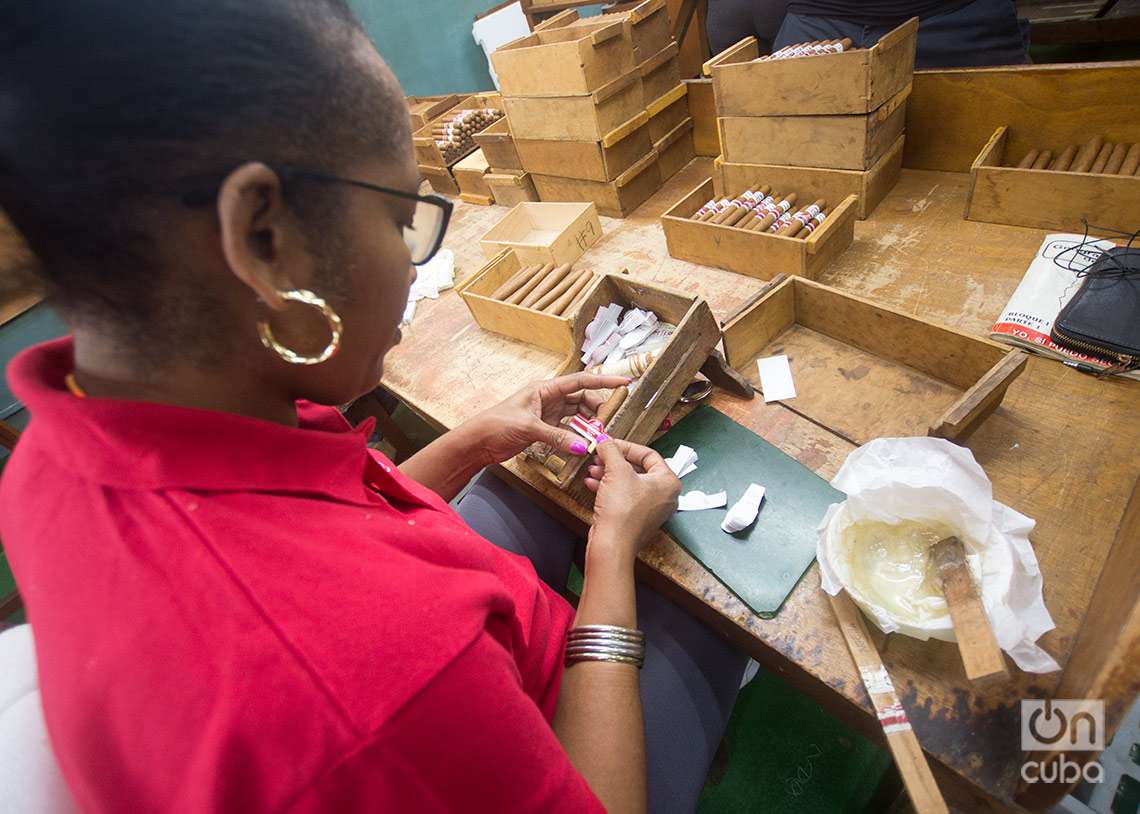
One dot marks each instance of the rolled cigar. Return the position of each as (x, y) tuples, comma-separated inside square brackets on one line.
[(1027, 162), (558, 290), (815, 221), (799, 219), (512, 284), (1115, 160), (1087, 155), (530, 284), (755, 200), (1131, 161), (1101, 158), (781, 208), (1062, 162), (729, 209), (716, 208), (1042, 160), (563, 305), (705, 207), (612, 405), (548, 282), (762, 208)]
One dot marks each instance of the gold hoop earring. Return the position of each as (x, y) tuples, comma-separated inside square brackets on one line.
[(332, 317)]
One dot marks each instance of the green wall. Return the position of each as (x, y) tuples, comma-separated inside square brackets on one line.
[(428, 43)]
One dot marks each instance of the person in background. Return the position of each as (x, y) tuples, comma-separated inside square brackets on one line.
[(729, 21), (237, 606), (951, 33)]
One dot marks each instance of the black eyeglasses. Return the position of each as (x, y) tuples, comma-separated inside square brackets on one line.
[(429, 221)]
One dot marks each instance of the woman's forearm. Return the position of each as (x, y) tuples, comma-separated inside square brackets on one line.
[(449, 462), (599, 720)]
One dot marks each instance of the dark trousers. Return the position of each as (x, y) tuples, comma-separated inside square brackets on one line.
[(691, 675), (729, 21), (984, 32)]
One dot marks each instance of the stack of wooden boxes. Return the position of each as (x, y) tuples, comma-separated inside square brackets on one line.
[(828, 125), (575, 92), (438, 168)]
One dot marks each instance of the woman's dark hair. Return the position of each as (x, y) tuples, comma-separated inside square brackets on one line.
[(108, 106)]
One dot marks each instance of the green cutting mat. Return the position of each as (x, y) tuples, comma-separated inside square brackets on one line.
[(763, 563)]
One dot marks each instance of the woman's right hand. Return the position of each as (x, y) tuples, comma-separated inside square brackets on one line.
[(636, 493)]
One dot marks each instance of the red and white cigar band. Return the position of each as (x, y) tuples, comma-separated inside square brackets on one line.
[(815, 221), (893, 718), (805, 215)]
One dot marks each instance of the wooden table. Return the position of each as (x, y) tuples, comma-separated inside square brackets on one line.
[(1062, 449)]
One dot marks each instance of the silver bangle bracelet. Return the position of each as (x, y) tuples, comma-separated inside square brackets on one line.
[(605, 643), (609, 631), (610, 657)]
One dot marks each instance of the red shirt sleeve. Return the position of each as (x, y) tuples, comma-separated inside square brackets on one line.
[(471, 741)]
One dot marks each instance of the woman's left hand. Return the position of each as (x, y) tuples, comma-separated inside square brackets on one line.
[(535, 412)]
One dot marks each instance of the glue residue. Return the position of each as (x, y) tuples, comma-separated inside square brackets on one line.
[(889, 565)]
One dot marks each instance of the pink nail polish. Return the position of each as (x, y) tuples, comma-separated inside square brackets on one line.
[(602, 438), (578, 448)]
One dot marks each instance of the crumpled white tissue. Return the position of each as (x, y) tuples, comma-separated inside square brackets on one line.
[(697, 500), (434, 276), (683, 462), (931, 479), (743, 512)]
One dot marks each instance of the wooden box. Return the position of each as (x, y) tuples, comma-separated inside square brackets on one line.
[(545, 232), (865, 371), (577, 118), (471, 176), (833, 185), (648, 21), (675, 151), (1047, 199), (857, 81), (555, 333), (660, 73), (423, 109), (601, 160), (564, 61), (511, 188), (498, 145), (668, 111), (654, 394), (757, 254), (617, 198), (441, 179), (427, 153), (846, 142)]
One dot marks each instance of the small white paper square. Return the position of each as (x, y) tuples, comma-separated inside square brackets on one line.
[(776, 378)]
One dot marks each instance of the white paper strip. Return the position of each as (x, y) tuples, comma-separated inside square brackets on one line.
[(776, 378), (683, 462), (697, 500), (743, 512)]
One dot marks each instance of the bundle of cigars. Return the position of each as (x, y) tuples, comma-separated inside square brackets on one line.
[(454, 135), (545, 287), (809, 49), (1096, 156), (763, 210)]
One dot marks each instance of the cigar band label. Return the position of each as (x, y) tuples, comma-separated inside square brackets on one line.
[(893, 718), (784, 206), (877, 681)]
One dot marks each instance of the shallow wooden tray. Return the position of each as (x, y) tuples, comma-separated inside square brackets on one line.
[(545, 232)]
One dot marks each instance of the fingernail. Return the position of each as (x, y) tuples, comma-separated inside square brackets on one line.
[(628, 380), (578, 448), (602, 438)]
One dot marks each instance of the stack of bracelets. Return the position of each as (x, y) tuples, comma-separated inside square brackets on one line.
[(605, 643)]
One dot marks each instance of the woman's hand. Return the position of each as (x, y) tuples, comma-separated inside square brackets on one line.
[(636, 493), (533, 414)]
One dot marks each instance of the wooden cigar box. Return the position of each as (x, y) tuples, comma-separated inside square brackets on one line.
[(660, 73), (757, 254), (511, 188), (471, 176), (856, 81), (870, 185), (865, 371), (427, 153), (702, 107), (422, 109), (440, 178), (1047, 199), (545, 232), (498, 145), (675, 151), (577, 118), (555, 333), (564, 60), (659, 388), (616, 198), (846, 142), (667, 111), (648, 24), (603, 160)]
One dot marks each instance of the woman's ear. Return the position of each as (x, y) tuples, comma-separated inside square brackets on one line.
[(254, 225)]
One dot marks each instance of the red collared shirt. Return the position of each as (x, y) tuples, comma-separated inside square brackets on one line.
[(233, 615)]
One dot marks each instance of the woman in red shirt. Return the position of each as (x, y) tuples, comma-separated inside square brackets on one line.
[(237, 606)]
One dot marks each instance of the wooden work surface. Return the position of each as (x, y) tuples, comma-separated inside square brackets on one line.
[(1061, 449)]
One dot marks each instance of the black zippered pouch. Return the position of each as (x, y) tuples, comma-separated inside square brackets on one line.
[(1103, 317)]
